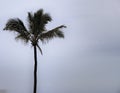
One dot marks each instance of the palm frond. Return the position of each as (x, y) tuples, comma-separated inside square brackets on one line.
[(56, 32), (45, 19), (38, 13), (30, 18), (37, 21), (23, 38), (40, 49), (17, 25)]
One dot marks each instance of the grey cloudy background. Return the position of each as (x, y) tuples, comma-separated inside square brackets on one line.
[(86, 61)]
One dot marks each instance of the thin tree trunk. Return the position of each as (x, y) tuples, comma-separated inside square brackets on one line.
[(35, 70)]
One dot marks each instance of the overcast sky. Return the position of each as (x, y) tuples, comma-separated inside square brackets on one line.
[(86, 61)]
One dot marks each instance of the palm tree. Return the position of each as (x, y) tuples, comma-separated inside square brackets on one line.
[(35, 32)]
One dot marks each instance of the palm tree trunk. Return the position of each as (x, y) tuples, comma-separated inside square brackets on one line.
[(35, 70)]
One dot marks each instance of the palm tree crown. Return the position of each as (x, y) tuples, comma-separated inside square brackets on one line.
[(36, 28)]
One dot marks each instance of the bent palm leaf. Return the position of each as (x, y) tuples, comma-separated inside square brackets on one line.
[(17, 25), (40, 49), (56, 32)]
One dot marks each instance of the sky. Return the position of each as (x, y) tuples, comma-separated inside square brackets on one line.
[(86, 61)]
